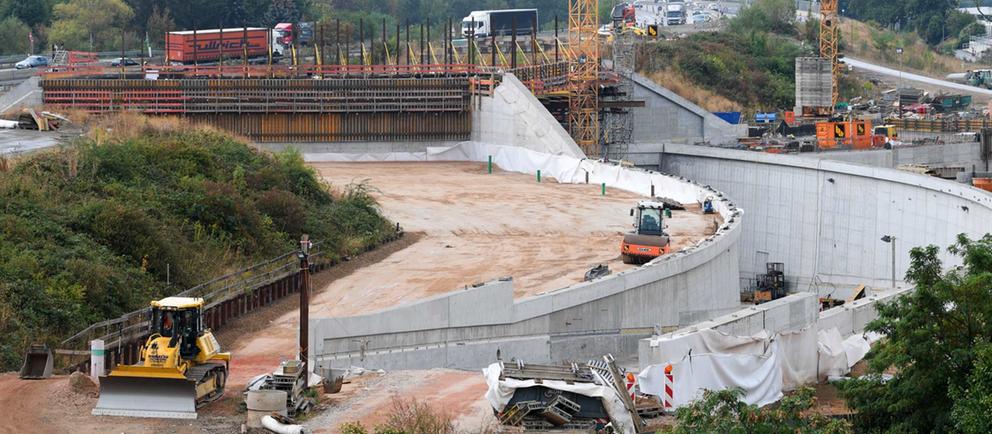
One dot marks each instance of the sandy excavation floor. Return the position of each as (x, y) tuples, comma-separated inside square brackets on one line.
[(465, 226), (476, 227)]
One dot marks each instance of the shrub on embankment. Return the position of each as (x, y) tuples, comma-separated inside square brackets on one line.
[(99, 228)]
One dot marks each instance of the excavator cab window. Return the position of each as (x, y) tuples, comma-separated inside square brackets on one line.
[(649, 221)]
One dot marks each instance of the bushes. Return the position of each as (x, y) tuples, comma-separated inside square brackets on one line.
[(94, 231), (755, 70)]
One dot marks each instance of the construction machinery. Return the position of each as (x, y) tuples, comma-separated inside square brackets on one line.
[(181, 367), (771, 285), (38, 363), (648, 240)]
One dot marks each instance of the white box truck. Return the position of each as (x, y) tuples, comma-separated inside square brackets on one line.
[(499, 22), (675, 14)]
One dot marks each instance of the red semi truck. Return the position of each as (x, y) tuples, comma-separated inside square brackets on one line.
[(208, 45)]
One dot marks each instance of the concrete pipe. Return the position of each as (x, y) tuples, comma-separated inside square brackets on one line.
[(262, 403), (271, 424)]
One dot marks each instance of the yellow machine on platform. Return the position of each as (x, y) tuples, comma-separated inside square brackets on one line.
[(181, 367)]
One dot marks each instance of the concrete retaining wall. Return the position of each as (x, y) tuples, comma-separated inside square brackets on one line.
[(789, 314), (468, 328), (824, 219), (514, 117), (669, 118)]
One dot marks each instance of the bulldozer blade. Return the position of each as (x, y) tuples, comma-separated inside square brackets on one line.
[(37, 363), (146, 397)]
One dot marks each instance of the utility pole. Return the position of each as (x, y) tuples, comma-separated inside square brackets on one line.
[(304, 255)]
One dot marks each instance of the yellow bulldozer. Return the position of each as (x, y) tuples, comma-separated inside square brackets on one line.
[(181, 367)]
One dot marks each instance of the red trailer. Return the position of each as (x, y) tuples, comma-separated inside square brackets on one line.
[(207, 45)]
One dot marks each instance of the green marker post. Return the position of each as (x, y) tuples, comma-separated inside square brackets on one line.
[(490, 168), (538, 175), (602, 189)]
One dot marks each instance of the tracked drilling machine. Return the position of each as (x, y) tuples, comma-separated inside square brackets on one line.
[(181, 367), (648, 240)]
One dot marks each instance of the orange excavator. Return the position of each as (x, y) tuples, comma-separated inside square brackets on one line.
[(648, 240)]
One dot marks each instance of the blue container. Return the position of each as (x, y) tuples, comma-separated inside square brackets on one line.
[(731, 117), (765, 118)]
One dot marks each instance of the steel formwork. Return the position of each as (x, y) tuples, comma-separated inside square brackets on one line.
[(288, 110)]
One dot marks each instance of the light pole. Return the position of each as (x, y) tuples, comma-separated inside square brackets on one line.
[(891, 239), (899, 88)]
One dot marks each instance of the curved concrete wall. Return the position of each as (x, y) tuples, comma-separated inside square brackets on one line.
[(824, 219), (467, 328)]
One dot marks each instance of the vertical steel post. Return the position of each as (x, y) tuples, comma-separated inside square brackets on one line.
[(556, 38), (513, 42), (305, 306), (471, 43)]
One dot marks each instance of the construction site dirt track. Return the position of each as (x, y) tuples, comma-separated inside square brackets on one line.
[(464, 226)]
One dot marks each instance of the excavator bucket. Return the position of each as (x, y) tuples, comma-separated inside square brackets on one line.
[(37, 363), (170, 398)]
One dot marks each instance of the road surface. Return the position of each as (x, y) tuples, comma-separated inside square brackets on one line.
[(860, 65)]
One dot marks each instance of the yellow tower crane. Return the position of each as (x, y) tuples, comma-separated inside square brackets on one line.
[(828, 44), (583, 101)]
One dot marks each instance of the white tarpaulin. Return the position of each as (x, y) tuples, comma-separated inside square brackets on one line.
[(674, 347), (798, 357), (759, 376), (501, 391), (832, 356)]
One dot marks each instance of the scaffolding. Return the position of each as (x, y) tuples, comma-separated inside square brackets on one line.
[(583, 40), (617, 118), (829, 33)]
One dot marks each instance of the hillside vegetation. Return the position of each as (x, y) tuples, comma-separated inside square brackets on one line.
[(876, 44), (751, 63), (96, 230)]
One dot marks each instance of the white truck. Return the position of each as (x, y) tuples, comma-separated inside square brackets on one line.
[(675, 14), (499, 22)]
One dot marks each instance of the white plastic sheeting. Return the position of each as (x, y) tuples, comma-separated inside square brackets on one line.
[(799, 357), (837, 355), (718, 361), (501, 391), (758, 375), (564, 169)]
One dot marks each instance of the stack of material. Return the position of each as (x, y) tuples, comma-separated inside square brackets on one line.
[(571, 397), (814, 84), (289, 378)]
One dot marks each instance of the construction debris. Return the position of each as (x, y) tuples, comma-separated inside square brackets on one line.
[(597, 272), (566, 397), (289, 378)]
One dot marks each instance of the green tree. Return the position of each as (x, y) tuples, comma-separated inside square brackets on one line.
[(938, 346), (159, 22), (282, 11), (31, 12), (14, 33), (724, 412), (90, 24)]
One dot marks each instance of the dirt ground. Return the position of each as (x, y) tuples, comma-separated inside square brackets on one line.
[(464, 226)]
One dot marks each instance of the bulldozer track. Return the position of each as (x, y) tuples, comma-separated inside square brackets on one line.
[(204, 372)]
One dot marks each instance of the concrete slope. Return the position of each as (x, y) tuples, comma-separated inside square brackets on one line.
[(513, 116), (670, 118), (908, 76)]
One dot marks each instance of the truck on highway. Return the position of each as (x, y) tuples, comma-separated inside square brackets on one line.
[(675, 14), (499, 22), (210, 45), (285, 32)]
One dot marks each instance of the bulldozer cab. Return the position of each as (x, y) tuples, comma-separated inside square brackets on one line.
[(179, 319), (648, 220)]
